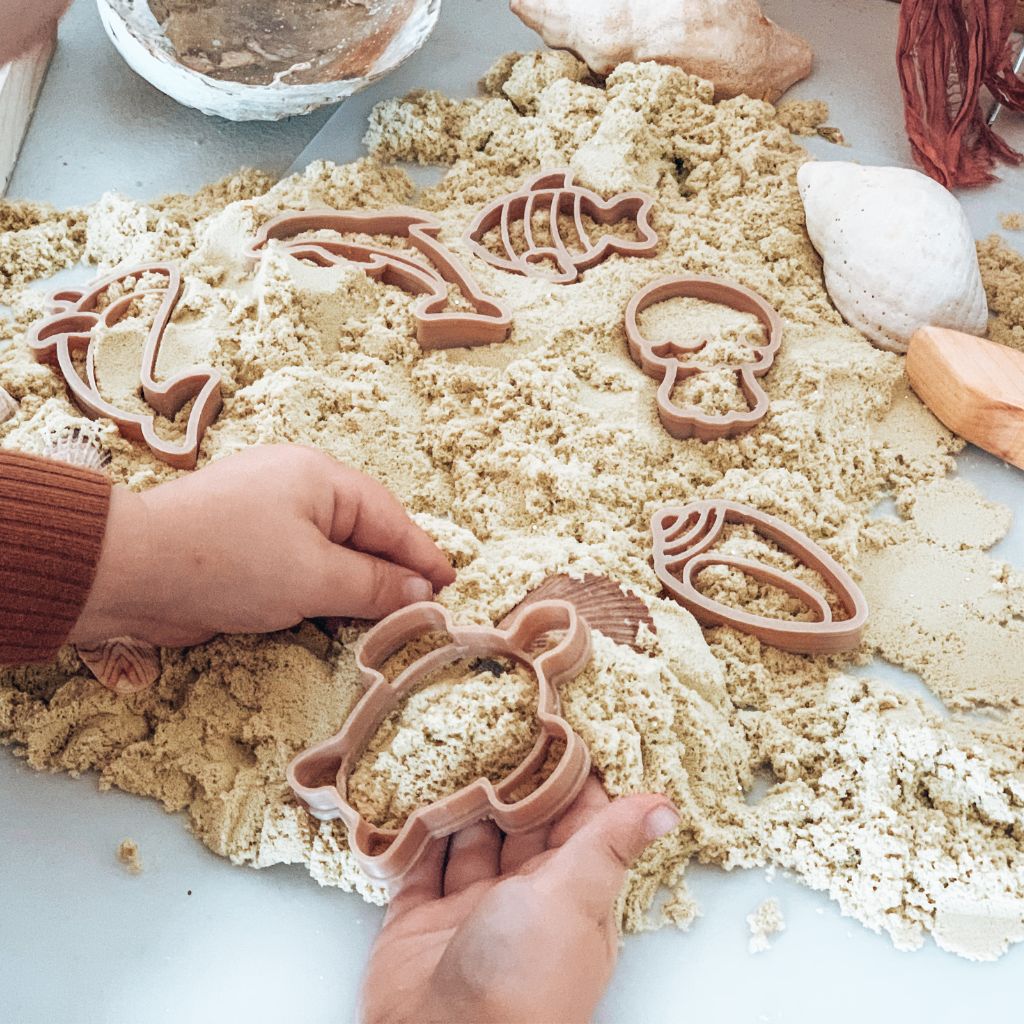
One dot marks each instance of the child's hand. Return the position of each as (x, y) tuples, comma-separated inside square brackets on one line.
[(254, 543), (517, 929)]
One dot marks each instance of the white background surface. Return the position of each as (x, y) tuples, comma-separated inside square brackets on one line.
[(82, 941)]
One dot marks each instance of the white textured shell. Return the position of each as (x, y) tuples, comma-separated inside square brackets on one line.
[(8, 406), (77, 448), (898, 252), (728, 42)]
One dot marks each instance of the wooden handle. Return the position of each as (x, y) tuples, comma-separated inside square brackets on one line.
[(975, 387)]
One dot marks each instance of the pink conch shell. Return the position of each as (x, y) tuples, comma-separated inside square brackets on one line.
[(8, 406), (123, 664), (551, 193), (729, 42), (598, 600)]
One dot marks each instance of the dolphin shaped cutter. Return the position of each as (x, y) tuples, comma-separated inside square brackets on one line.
[(68, 327), (436, 328)]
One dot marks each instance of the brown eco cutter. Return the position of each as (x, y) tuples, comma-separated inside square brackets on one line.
[(67, 328), (682, 539), (662, 359), (319, 775), (554, 192), (489, 324)]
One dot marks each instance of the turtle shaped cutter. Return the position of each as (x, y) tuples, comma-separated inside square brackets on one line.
[(319, 775)]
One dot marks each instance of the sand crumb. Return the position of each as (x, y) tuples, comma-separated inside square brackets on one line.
[(765, 922), (128, 855), (465, 722), (544, 454), (802, 117), (1011, 221)]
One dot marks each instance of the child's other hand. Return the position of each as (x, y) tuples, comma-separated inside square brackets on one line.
[(512, 929), (254, 543)]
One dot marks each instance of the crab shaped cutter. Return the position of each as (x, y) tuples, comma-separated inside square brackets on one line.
[(319, 776)]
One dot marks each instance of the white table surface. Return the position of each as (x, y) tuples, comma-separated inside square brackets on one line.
[(194, 939)]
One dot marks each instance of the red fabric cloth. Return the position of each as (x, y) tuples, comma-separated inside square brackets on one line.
[(946, 50), (52, 521)]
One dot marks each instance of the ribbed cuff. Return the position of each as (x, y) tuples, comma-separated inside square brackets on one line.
[(52, 521)]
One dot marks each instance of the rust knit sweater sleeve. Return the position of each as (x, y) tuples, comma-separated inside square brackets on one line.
[(52, 521)]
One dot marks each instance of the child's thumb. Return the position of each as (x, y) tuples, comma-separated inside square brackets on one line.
[(592, 863)]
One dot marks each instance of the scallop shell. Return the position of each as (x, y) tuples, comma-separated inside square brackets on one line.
[(898, 252), (123, 664), (8, 406), (602, 602), (76, 447), (729, 42)]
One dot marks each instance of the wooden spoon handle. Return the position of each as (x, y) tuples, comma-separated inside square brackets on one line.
[(975, 387)]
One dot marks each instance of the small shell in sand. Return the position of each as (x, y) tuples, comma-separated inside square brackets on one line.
[(76, 447), (602, 602), (123, 664), (8, 406)]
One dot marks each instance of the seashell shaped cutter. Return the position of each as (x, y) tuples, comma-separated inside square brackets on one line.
[(683, 537), (319, 775), (555, 192), (436, 328), (67, 328), (662, 359)]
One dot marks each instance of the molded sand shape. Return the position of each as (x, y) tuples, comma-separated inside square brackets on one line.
[(68, 327), (662, 359), (319, 776), (537, 206), (436, 328), (683, 537)]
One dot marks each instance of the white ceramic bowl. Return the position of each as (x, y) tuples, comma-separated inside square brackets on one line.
[(137, 35)]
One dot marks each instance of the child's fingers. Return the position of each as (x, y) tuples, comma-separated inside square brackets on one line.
[(473, 855), (421, 884), (341, 582), (370, 518), (592, 799), (523, 846)]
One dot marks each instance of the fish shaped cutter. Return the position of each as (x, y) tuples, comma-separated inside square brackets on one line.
[(551, 194)]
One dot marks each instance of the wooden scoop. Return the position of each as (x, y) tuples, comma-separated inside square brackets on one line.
[(975, 387)]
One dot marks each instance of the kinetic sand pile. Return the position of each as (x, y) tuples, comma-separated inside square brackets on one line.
[(545, 454)]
